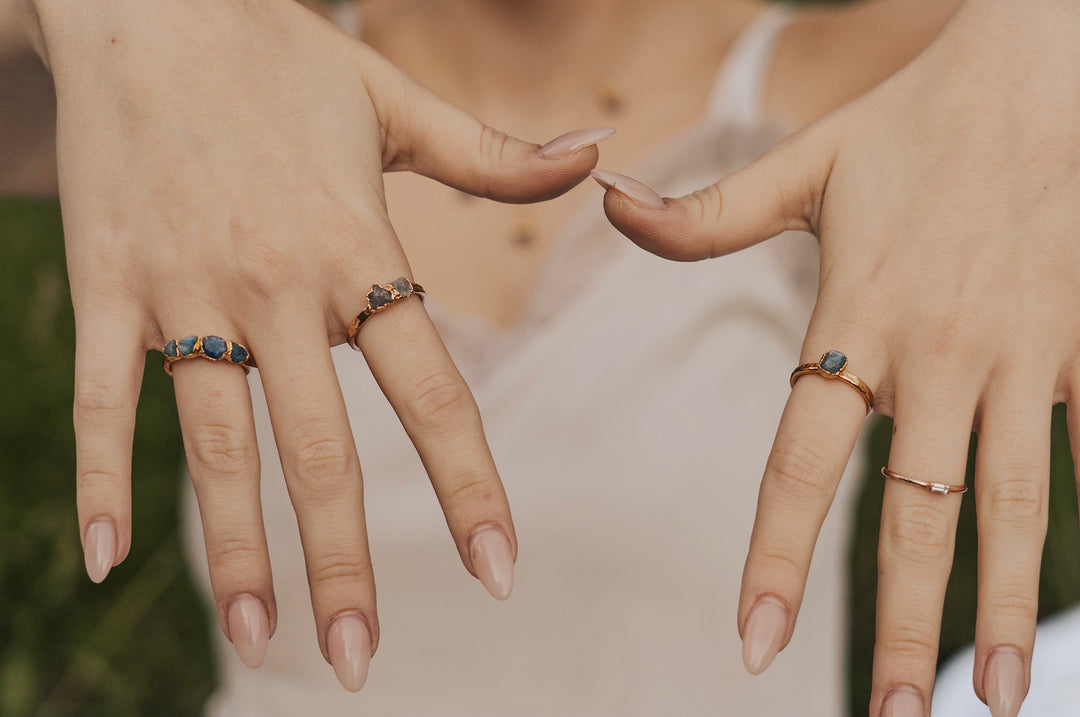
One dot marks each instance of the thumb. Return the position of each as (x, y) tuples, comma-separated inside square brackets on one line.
[(782, 190), (428, 135)]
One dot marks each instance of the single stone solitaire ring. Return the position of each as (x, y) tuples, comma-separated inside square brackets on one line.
[(935, 488), (380, 297), (833, 364), (214, 348)]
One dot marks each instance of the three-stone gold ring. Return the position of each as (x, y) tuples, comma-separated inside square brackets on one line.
[(213, 348), (379, 298), (833, 365)]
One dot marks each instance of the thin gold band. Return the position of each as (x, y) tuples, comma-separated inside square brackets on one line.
[(935, 488), (833, 364), (381, 297)]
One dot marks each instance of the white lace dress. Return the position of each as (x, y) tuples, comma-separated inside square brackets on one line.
[(630, 415)]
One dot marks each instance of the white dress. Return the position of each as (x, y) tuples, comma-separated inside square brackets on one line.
[(630, 414)]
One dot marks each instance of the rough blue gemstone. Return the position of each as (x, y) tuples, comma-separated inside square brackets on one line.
[(186, 345), (239, 354), (170, 349), (379, 297), (833, 362), (214, 346), (402, 285)]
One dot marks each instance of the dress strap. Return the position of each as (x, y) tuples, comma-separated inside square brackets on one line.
[(738, 94)]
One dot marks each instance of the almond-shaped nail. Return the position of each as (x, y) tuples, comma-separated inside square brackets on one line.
[(349, 645), (571, 142), (249, 629), (493, 561), (903, 702), (637, 192), (99, 549), (1004, 682), (763, 636)]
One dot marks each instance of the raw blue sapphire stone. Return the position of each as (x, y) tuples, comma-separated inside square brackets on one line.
[(186, 345), (214, 346), (379, 297), (239, 354), (833, 362), (170, 349), (402, 286)]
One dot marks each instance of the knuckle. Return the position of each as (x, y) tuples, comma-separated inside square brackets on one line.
[(440, 401), (493, 151), (918, 532), (98, 403), (708, 203), (234, 553), (223, 450), (800, 473), (777, 561), (1013, 602), (92, 480), (1015, 500), (346, 567), (321, 465), (472, 491), (911, 640)]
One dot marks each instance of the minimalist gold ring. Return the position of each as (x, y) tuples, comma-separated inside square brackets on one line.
[(833, 364), (379, 298), (935, 488)]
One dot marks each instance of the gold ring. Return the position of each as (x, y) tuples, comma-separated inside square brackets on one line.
[(380, 297), (213, 348), (833, 364), (935, 488)]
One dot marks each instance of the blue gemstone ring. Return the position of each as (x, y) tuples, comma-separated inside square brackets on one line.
[(379, 298), (833, 364), (214, 348)]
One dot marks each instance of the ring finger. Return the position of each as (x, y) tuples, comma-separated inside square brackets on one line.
[(915, 549), (214, 404)]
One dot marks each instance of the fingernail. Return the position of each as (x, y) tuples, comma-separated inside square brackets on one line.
[(903, 702), (637, 192), (349, 645), (249, 629), (493, 561), (579, 139), (99, 549), (766, 627), (1004, 682)]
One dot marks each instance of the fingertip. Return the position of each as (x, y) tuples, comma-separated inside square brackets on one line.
[(493, 561), (99, 548)]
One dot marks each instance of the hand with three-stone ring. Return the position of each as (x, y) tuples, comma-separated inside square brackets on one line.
[(946, 202), (220, 174)]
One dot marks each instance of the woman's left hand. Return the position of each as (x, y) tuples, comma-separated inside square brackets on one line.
[(947, 202)]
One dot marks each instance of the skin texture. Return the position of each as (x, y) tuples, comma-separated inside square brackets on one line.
[(126, 112), (193, 190), (945, 280)]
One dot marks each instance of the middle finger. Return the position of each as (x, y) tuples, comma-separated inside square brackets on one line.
[(322, 472)]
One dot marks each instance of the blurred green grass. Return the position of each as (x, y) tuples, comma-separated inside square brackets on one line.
[(137, 644)]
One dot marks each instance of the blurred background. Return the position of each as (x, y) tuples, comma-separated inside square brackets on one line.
[(138, 644)]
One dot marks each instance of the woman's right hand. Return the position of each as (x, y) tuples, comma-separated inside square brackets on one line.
[(220, 174)]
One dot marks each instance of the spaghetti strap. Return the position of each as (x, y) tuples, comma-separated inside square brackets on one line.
[(738, 94)]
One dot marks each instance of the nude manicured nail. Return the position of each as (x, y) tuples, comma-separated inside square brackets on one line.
[(349, 645), (763, 636), (99, 549), (249, 629), (903, 702), (637, 192), (493, 561), (579, 139), (1004, 682)]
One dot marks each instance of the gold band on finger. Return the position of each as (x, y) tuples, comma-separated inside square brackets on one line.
[(379, 298), (935, 488), (833, 364), (212, 348)]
